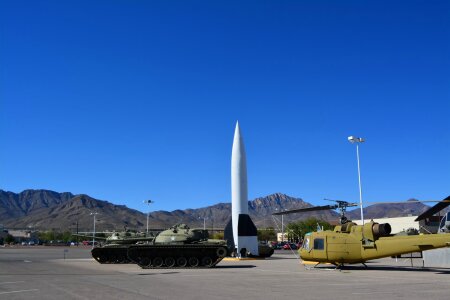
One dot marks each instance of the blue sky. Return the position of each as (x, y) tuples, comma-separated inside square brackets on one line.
[(134, 100)]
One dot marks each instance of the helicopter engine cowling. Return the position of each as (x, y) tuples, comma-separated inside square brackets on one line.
[(380, 230)]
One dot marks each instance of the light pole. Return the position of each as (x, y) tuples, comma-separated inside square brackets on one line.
[(77, 225), (93, 236), (204, 222), (357, 140), (282, 224), (148, 202)]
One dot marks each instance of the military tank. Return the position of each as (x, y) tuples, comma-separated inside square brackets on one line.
[(115, 247), (264, 250), (179, 247)]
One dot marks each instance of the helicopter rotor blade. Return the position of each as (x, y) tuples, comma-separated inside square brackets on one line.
[(434, 209), (405, 202), (342, 203), (335, 200), (314, 208)]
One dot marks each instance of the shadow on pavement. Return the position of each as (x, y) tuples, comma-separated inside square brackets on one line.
[(386, 268), (235, 267)]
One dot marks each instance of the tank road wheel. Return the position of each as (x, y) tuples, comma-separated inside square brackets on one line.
[(169, 261), (221, 252), (121, 260), (144, 262), (181, 261), (207, 261), (193, 261), (102, 259), (158, 262)]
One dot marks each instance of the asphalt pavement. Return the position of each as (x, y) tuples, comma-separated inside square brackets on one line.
[(71, 273)]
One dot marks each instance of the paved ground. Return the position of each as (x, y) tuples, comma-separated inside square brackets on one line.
[(42, 273)]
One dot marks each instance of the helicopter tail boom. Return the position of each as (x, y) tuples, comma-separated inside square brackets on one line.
[(397, 245)]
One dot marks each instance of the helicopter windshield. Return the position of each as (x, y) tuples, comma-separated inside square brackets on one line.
[(306, 242), (445, 223), (441, 225)]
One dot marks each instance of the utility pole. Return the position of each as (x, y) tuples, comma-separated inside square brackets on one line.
[(148, 202), (357, 141), (93, 236)]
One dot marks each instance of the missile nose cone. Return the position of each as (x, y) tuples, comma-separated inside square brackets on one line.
[(238, 149), (237, 130)]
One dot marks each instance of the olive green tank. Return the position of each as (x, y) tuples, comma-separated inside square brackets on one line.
[(179, 247), (115, 247), (264, 250)]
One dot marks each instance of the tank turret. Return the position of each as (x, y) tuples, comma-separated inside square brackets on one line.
[(115, 247)]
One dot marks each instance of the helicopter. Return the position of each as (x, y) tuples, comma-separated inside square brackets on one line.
[(350, 243)]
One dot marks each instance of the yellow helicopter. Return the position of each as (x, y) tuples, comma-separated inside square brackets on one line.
[(349, 243)]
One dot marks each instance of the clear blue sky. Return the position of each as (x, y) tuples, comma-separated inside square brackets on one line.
[(134, 100)]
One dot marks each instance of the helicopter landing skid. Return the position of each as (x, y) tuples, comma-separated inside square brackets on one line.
[(314, 267), (337, 266)]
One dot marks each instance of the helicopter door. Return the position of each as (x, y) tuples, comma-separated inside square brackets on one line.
[(319, 248)]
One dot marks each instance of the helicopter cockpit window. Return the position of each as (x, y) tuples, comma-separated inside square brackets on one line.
[(305, 244), (318, 244), (444, 226), (441, 225)]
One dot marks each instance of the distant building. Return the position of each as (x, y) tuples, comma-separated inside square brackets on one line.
[(24, 235), (281, 237), (430, 224)]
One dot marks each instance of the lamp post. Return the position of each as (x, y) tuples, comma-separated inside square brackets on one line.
[(77, 225), (282, 224), (148, 202), (204, 222), (357, 140), (93, 236)]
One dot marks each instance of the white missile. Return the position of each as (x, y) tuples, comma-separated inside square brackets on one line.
[(244, 231)]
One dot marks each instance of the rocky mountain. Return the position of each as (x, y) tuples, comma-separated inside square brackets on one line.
[(390, 210), (43, 209), (14, 205)]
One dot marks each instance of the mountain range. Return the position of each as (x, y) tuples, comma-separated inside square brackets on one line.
[(46, 210)]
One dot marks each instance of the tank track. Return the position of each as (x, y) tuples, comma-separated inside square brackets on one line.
[(111, 255), (192, 256)]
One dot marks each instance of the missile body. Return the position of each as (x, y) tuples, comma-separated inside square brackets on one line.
[(244, 231)]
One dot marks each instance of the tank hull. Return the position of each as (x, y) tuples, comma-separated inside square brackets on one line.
[(111, 254), (177, 256)]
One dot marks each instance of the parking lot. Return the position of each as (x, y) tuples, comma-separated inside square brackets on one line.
[(70, 273)]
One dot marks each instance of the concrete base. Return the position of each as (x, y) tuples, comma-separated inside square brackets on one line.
[(437, 258)]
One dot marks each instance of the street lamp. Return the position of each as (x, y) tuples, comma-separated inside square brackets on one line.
[(282, 224), (77, 224), (148, 202), (204, 222), (93, 236), (357, 140)]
